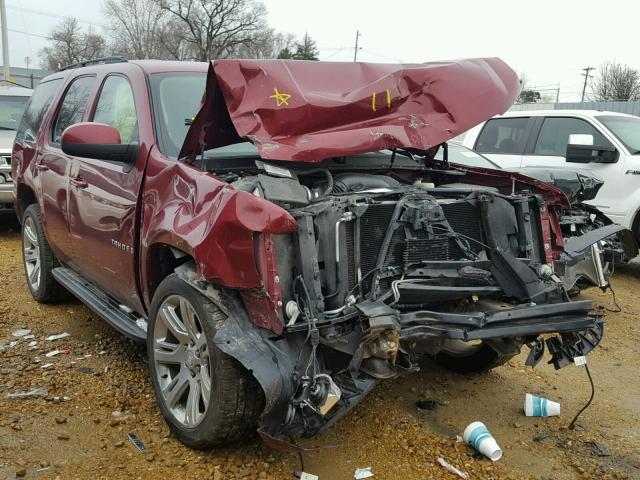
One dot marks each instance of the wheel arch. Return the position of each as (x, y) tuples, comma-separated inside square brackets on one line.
[(25, 196), (161, 260)]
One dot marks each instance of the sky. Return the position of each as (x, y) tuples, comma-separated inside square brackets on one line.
[(550, 42)]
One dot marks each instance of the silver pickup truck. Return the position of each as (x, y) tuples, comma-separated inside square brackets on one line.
[(13, 100)]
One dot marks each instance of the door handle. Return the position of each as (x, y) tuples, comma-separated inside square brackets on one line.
[(41, 167), (78, 182)]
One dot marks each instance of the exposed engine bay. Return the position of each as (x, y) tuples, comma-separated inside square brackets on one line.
[(460, 264)]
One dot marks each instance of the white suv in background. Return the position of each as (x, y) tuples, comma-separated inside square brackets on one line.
[(13, 100), (607, 143)]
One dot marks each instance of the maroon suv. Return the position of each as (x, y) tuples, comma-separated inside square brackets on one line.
[(284, 234)]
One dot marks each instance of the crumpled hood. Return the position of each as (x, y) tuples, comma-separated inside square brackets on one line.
[(310, 111), (578, 184)]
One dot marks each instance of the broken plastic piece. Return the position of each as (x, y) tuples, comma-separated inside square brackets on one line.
[(362, 473), (136, 441), (58, 336), (580, 361), (20, 332), (36, 392), (452, 469), (308, 476), (53, 353), (427, 404), (47, 365)]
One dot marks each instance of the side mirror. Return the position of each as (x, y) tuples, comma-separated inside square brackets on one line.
[(97, 140), (591, 153)]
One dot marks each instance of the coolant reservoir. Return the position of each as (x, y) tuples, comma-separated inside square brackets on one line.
[(423, 185)]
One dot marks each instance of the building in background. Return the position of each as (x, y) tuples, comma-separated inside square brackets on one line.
[(26, 77), (632, 108)]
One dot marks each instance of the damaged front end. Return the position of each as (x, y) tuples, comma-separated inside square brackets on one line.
[(385, 269), (395, 255)]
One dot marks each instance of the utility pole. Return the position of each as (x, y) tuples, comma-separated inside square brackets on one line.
[(355, 50), (558, 93), (5, 41), (586, 78)]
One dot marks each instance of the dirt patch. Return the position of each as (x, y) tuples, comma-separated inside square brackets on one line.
[(106, 381)]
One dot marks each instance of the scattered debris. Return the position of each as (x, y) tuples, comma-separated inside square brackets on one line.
[(63, 436), (136, 441), (36, 392), (58, 336), (362, 473), (47, 365), (535, 406), (427, 404), (308, 476), (85, 370), (599, 449), (540, 438), (61, 420), (452, 469), (478, 436), (21, 332), (53, 353), (33, 344)]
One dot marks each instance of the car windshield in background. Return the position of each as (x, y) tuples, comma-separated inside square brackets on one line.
[(626, 129), (464, 156), (11, 110), (177, 97)]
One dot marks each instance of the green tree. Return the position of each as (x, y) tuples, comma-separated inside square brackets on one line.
[(306, 49), (285, 54)]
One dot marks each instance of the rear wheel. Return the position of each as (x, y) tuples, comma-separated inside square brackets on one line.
[(38, 259), (466, 357), (206, 396)]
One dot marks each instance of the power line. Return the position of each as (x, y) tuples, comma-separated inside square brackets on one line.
[(29, 34), (49, 14)]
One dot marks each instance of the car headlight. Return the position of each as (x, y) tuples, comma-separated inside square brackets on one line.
[(3, 161)]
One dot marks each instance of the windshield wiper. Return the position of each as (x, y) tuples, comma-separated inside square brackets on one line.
[(7, 128)]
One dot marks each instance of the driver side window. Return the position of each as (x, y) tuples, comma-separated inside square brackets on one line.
[(116, 107), (554, 135)]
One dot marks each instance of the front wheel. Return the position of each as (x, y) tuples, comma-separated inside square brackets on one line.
[(205, 396), (466, 357)]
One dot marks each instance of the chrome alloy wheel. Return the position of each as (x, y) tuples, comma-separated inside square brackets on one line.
[(181, 359), (31, 250)]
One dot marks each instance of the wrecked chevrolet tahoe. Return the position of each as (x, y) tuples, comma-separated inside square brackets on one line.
[(297, 234)]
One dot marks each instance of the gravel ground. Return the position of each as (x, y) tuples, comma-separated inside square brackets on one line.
[(104, 377)]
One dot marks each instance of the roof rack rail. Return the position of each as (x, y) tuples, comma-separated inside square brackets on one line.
[(95, 61)]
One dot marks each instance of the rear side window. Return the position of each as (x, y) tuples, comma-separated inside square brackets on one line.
[(554, 135), (73, 106), (503, 135), (117, 108), (37, 108)]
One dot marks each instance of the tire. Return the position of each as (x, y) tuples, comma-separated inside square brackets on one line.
[(464, 358), (38, 259), (184, 363)]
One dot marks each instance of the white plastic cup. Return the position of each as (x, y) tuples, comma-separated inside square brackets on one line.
[(535, 406), (478, 436)]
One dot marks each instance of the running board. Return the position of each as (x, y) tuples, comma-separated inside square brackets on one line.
[(101, 303)]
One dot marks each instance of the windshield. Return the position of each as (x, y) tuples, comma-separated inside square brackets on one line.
[(464, 156), (176, 100), (11, 110), (626, 129)]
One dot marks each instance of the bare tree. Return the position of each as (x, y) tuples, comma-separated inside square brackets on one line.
[(217, 28), (69, 44), (264, 44), (615, 81)]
